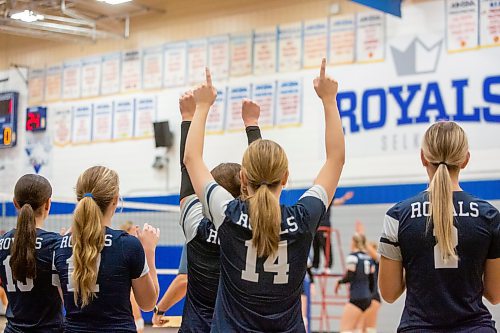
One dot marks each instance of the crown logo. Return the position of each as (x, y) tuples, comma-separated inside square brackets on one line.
[(418, 58)]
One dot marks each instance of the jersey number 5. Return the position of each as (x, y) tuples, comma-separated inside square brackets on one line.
[(438, 258), (281, 268)]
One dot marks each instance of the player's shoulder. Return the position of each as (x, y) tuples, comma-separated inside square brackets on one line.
[(8, 234), (398, 210), (48, 236), (235, 208), (485, 209), (115, 236)]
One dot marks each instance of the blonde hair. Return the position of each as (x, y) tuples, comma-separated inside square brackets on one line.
[(264, 164), (359, 241), (95, 190), (445, 146)]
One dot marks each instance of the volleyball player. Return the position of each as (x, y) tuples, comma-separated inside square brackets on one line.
[(201, 237), (26, 254), (264, 247), (359, 275), (442, 245), (98, 265)]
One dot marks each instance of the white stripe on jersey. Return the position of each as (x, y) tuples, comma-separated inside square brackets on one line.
[(317, 191)]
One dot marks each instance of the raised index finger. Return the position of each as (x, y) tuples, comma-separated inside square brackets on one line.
[(209, 76), (323, 69)]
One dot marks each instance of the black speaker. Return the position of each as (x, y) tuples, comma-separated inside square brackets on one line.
[(163, 136)]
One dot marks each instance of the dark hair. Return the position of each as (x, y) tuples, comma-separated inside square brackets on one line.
[(227, 175), (30, 195)]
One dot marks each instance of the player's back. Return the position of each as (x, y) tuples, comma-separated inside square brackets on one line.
[(442, 295), (34, 306), (360, 284), (121, 260), (263, 294), (203, 279)]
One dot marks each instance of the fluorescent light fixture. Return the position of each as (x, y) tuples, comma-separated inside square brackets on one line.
[(114, 2), (27, 16)]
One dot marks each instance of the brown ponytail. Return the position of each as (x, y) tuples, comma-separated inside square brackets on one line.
[(31, 193), (264, 164), (445, 146), (96, 188)]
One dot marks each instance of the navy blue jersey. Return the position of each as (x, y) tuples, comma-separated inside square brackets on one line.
[(362, 265), (34, 306), (375, 293), (442, 295), (203, 267), (261, 294), (121, 260)]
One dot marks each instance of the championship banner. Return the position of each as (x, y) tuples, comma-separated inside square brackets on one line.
[(131, 71), (102, 128), (152, 68), (342, 36), (197, 60), (217, 113), (462, 25), (71, 79), (264, 94), (91, 76), (36, 85), (82, 123), (174, 64), (235, 100), (53, 83), (110, 74), (240, 52), (290, 47), (218, 57), (315, 42), (264, 51), (370, 37)]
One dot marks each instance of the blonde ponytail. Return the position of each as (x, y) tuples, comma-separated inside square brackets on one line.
[(445, 146), (265, 219), (265, 165), (96, 188)]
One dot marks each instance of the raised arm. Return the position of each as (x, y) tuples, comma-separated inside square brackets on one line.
[(200, 176), (329, 175), (250, 113), (187, 106)]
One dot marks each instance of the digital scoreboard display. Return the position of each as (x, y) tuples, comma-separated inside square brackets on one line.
[(8, 119), (36, 119)]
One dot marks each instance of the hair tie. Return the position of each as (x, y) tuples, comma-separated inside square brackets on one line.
[(443, 163), (88, 195)]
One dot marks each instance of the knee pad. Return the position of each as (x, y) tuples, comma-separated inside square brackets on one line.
[(139, 324)]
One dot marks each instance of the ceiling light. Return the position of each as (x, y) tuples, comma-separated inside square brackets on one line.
[(114, 2), (27, 16)]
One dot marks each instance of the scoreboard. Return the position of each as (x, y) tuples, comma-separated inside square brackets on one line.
[(8, 119)]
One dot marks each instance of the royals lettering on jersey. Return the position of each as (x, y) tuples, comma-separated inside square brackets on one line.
[(23, 314), (121, 260), (451, 291), (261, 294), (202, 246), (362, 265)]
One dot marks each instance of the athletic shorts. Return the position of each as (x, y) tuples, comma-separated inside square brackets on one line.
[(468, 329), (376, 297), (362, 304)]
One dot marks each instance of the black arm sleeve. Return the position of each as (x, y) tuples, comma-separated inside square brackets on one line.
[(371, 280), (348, 277), (253, 134), (186, 186)]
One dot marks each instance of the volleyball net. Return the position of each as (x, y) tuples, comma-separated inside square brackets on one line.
[(163, 216)]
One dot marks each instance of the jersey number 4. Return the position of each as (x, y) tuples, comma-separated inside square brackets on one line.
[(281, 268), (438, 258)]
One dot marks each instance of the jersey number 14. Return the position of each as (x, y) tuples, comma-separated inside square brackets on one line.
[(281, 268)]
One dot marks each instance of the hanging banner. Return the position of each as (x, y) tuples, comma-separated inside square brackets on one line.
[(145, 115), (370, 37), (123, 119), (36, 85), (264, 94), (110, 76), (62, 124), (462, 31), (174, 64), (71, 79), (215, 120), (91, 76), (152, 67), (234, 102), (315, 42), (53, 79), (82, 123), (102, 121), (218, 57), (197, 60), (264, 51), (489, 23), (289, 103), (240, 55), (131, 71), (290, 47), (342, 34)]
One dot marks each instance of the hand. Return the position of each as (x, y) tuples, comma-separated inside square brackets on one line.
[(187, 105), (148, 236), (337, 287), (156, 320), (348, 195), (326, 88), (206, 93), (250, 112), (360, 228)]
